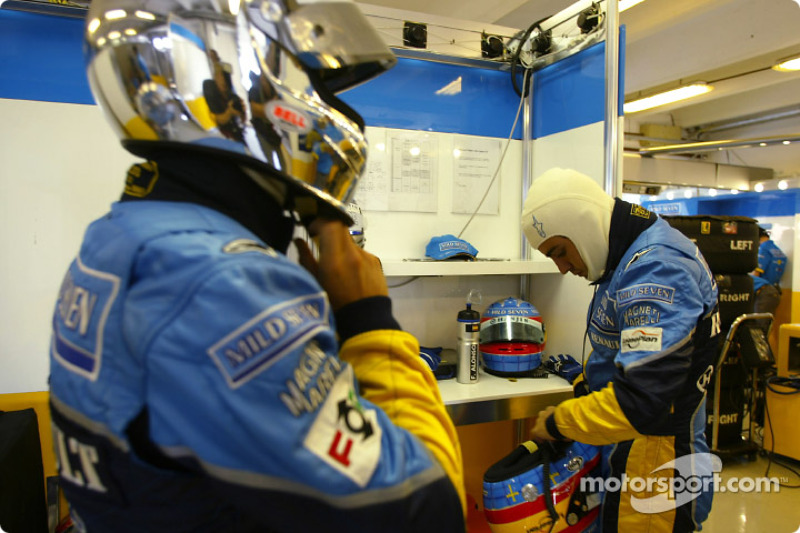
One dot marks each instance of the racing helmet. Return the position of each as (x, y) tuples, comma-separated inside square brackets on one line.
[(253, 80), (512, 338), (538, 488)]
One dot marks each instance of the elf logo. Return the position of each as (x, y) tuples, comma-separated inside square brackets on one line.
[(641, 340)]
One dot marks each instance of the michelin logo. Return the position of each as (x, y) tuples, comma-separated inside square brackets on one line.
[(641, 340)]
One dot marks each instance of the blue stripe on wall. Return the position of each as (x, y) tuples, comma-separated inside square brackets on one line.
[(753, 205), (572, 93), (41, 58), (431, 96)]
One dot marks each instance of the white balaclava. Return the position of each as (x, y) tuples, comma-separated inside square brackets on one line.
[(567, 203)]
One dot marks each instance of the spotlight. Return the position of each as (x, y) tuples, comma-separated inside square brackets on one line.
[(492, 46), (415, 35), (588, 19)]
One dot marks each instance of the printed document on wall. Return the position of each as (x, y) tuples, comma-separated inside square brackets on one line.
[(415, 158), (474, 166), (373, 189), (402, 176)]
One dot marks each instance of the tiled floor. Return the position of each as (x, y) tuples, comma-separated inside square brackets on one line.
[(774, 512)]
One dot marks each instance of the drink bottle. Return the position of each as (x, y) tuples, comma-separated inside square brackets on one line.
[(469, 331)]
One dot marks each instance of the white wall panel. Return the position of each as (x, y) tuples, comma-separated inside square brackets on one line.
[(61, 168)]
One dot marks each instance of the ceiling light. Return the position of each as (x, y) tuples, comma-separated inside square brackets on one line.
[(668, 97), (627, 4), (115, 14), (788, 65), (759, 187), (783, 185)]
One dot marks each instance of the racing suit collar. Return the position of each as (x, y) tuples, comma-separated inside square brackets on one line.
[(628, 221), (213, 183)]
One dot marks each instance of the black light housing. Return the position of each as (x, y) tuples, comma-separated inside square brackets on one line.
[(492, 46), (415, 34)]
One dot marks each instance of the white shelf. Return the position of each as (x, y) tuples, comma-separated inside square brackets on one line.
[(490, 387), (467, 268)]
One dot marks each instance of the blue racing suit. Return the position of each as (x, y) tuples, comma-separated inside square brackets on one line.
[(653, 326), (771, 264), (198, 384)]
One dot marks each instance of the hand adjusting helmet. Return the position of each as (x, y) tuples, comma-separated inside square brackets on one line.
[(512, 338), (252, 80)]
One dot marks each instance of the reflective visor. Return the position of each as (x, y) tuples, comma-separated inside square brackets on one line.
[(337, 40), (512, 328)]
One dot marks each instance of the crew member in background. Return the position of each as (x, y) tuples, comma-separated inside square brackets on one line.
[(767, 275), (200, 379), (653, 325)]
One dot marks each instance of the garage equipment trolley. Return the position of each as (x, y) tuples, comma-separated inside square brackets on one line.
[(747, 335)]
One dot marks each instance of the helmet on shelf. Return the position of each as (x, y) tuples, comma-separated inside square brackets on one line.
[(538, 488), (512, 337), (251, 80)]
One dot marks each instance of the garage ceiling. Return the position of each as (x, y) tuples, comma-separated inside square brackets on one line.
[(729, 43)]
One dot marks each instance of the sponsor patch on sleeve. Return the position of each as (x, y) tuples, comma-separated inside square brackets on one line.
[(645, 291), (84, 304), (258, 343), (641, 340), (344, 434)]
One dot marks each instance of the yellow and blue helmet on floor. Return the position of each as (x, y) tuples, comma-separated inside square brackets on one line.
[(537, 487)]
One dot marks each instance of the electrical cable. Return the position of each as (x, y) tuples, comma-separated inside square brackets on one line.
[(515, 59), (497, 171), (789, 382), (402, 283)]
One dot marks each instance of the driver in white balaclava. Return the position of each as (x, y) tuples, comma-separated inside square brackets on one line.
[(652, 324)]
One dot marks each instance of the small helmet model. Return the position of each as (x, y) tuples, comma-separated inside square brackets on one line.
[(539, 488), (512, 338), (251, 80)]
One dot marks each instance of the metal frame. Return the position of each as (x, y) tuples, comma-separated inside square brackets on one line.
[(718, 379)]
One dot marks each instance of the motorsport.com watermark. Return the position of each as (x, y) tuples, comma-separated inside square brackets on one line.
[(678, 482)]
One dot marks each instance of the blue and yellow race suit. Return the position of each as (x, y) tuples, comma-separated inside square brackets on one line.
[(771, 264), (653, 324), (200, 382)]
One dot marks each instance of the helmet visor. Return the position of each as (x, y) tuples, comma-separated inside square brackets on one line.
[(511, 328)]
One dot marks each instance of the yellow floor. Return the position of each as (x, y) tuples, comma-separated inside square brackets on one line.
[(775, 512)]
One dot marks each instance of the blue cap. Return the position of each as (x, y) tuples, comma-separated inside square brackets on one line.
[(450, 247)]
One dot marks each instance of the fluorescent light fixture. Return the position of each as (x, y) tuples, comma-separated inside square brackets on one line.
[(115, 14), (145, 15), (93, 25), (675, 95), (788, 65), (627, 4)]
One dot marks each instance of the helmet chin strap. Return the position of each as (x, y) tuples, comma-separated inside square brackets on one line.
[(273, 186)]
